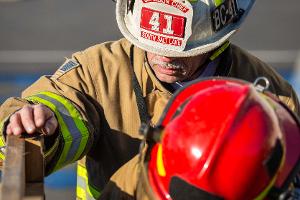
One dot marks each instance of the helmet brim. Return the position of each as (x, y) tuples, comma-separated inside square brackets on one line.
[(191, 49)]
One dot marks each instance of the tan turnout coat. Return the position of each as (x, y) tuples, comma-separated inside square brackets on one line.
[(98, 84)]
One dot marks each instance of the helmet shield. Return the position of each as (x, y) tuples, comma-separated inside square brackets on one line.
[(180, 28)]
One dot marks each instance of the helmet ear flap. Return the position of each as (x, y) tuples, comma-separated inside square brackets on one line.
[(273, 163), (289, 187)]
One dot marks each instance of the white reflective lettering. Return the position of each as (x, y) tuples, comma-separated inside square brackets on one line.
[(217, 19), (168, 29), (223, 14), (154, 21)]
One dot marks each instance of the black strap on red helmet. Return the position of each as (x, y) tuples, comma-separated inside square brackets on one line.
[(182, 190)]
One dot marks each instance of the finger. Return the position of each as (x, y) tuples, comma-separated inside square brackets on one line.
[(26, 114), (9, 130), (41, 114), (50, 125), (16, 124)]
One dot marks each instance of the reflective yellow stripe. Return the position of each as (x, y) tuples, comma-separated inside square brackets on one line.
[(2, 157), (90, 192), (74, 131), (218, 2), (82, 195), (159, 162), (65, 132), (82, 172), (220, 50), (2, 142), (80, 192), (78, 120)]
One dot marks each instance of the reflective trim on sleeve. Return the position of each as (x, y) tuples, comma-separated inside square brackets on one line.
[(80, 192), (2, 148), (2, 142), (83, 186), (82, 172), (74, 132), (52, 149), (2, 156)]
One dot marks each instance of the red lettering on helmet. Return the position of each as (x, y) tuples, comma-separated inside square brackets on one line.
[(172, 3), (161, 39)]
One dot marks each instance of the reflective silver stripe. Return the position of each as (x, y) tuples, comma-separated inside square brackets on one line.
[(82, 183), (89, 197), (75, 133)]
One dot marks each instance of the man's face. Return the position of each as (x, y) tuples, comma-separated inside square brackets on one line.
[(172, 69)]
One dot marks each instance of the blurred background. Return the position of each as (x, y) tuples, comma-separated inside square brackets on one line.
[(36, 35)]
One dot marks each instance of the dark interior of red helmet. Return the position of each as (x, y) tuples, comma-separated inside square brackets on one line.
[(182, 190), (273, 162)]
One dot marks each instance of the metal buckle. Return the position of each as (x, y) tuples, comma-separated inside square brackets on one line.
[(259, 87)]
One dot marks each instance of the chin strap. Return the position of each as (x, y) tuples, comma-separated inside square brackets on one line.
[(145, 119), (290, 193), (295, 191), (141, 104)]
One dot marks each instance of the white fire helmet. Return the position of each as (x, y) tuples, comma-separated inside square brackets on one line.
[(180, 28)]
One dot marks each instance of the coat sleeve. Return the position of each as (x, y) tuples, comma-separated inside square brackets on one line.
[(71, 95)]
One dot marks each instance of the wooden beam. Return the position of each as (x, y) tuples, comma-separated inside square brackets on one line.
[(34, 159), (34, 169), (13, 177), (34, 191), (23, 168)]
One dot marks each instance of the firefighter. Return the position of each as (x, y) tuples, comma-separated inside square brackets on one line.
[(92, 106), (202, 149)]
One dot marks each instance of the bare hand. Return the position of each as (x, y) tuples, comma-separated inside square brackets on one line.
[(32, 119)]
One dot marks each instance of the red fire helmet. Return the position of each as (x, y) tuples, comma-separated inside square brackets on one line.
[(222, 139)]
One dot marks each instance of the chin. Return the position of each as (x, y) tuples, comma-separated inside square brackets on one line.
[(168, 80)]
